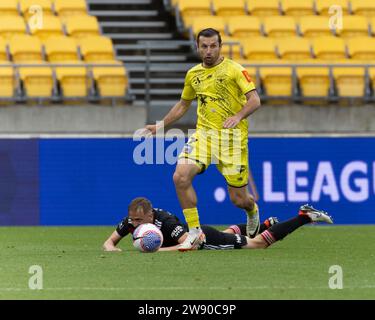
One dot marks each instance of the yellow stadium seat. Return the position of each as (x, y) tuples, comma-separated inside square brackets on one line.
[(188, 21), (372, 78), (61, 49), (10, 26), (277, 81), (232, 50), (25, 48), (9, 8), (97, 48), (51, 27), (264, 8), (82, 26), (295, 48), (7, 80), (244, 26), (30, 8), (329, 48), (297, 8), (279, 27), (354, 26), (259, 48), (204, 22), (67, 8), (363, 7), (37, 81), (314, 82), (372, 23), (194, 8), (323, 7), (350, 82), (229, 8), (362, 48), (314, 26), (111, 81), (3, 50), (74, 81)]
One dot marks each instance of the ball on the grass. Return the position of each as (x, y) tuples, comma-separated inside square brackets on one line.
[(147, 238)]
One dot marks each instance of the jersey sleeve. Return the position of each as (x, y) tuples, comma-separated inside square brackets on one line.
[(124, 227), (174, 228), (188, 93), (244, 80)]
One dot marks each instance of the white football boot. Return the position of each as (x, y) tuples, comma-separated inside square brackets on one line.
[(252, 224), (193, 241)]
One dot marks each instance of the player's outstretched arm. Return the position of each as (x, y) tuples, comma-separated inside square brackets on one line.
[(175, 248), (177, 112), (111, 242)]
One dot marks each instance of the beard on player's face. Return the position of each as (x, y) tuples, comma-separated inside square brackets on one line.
[(210, 60)]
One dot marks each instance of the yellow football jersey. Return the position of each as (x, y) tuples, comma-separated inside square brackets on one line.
[(220, 92)]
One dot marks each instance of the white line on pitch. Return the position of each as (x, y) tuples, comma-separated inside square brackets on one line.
[(180, 288)]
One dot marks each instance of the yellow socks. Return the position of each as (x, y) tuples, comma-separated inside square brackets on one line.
[(192, 217)]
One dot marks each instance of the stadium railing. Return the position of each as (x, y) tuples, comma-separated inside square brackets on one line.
[(332, 96)]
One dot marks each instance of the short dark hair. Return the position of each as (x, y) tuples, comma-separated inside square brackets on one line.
[(209, 32), (138, 203)]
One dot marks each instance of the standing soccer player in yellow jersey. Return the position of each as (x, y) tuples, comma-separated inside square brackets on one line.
[(226, 97)]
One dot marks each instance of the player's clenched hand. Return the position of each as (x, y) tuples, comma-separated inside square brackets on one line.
[(148, 131), (231, 122), (151, 129)]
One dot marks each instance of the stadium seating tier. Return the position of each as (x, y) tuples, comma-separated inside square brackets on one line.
[(40, 33)]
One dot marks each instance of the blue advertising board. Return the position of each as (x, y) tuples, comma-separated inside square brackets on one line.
[(334, 174), (19, 182), (91, 181)]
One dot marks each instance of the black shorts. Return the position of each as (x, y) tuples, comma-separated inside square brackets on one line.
[(217, 240)]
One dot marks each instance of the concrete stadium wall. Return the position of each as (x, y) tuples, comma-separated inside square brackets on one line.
[(71, 119), (314, 119), (127, 119)]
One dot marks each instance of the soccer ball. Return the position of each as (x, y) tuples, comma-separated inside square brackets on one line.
[(147, 238)]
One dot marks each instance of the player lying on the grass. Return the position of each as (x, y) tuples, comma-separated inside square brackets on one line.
[(174, 232)]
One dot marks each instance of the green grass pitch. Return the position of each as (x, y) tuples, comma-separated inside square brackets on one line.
[(75, 267)]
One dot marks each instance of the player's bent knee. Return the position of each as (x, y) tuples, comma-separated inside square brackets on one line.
[(256, 243), (181, 180), (260, 242)]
